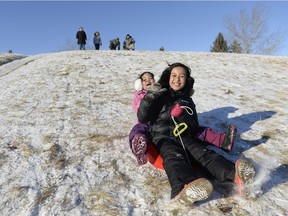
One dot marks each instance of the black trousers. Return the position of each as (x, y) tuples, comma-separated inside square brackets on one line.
[(180, 171), (97, 46)]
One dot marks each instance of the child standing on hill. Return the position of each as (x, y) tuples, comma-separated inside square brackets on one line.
[(97, 40), (139, 137), (170, 106)]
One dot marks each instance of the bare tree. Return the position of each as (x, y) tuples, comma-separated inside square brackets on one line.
[(252, 32)]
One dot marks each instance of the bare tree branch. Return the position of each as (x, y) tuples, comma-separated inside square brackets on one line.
[(252, 32)]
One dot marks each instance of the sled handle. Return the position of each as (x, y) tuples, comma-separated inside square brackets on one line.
[(178, 130)]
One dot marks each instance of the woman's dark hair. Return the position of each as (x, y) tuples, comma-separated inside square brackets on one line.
[(164, 79), (150, 73)]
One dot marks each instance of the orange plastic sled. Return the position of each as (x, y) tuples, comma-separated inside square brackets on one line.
[(154, 158)]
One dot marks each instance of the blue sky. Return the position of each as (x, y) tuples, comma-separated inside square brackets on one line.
[(33, 27)]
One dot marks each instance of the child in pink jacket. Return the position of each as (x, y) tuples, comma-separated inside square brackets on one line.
[(139, 137)]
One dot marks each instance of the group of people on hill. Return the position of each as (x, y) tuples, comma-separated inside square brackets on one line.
[(168, 123), (128, 44)]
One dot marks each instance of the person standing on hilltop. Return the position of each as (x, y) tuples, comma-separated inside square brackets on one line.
[(81, 38), (97, 40)]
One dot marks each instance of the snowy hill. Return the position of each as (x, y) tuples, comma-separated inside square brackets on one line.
[(65, 119), (6, 58)]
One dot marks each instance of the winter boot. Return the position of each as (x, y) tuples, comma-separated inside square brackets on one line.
[(139, 148), (229, 138), (244, 174), (196, 190)]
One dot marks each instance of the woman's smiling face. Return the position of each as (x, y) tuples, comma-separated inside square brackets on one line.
[(178, 78)]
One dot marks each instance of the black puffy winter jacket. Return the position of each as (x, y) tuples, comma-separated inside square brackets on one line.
[(157, 114)]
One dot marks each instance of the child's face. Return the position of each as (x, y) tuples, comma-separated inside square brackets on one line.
[(177, 78), (147, 80)]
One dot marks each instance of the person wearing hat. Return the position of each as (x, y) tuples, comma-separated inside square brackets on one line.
[(129, 43), (114, 44)]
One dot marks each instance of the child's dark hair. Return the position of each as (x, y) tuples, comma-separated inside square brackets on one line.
[(164, 79), (150, 73)]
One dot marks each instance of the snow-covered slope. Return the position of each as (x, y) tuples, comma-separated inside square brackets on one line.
[(65, 119)]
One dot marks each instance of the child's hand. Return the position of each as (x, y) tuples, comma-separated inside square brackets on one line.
[(176, 110), (153, 95)]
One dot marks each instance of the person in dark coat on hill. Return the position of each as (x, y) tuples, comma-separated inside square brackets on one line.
[(114, 44), (129, 43), (173, 124), (81, 38), (139, 138)]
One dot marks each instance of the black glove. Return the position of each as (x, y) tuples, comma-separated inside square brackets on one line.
[(153, 95)]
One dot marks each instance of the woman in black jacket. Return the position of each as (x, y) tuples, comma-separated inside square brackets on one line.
[(173, 124)]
